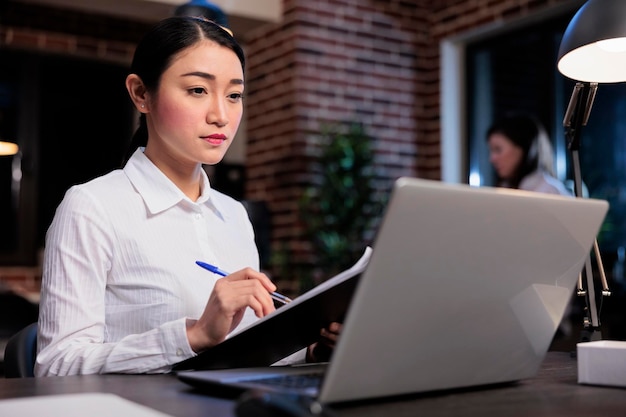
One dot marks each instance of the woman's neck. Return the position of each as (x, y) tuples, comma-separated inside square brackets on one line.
[(186, 176)]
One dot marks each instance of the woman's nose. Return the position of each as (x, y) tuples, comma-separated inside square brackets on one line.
[(217, 113)]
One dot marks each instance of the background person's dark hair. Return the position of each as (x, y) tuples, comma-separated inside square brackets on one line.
[(526, 132), (155, 52)]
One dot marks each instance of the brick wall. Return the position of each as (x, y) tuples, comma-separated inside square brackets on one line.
[(51, 30)]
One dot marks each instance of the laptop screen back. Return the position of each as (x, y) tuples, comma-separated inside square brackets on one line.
[(466, 286)]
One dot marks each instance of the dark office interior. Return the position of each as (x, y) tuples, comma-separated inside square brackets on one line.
[(69, 111)]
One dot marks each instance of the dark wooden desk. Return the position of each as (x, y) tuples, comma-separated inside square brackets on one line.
[(554, 392)]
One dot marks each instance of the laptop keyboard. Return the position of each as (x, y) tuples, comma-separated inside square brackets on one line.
[(300, 381)]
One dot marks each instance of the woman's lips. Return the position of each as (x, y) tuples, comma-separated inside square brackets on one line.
[(216, 139)]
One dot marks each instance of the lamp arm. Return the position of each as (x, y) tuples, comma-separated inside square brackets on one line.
[(577, 113), (576, 116)]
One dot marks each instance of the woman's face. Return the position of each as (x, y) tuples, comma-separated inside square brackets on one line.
[(198, 106), (504, 155)]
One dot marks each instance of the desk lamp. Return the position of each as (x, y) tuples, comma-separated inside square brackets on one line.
[(592, 51)]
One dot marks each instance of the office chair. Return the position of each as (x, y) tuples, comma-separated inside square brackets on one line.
[(20, 353)]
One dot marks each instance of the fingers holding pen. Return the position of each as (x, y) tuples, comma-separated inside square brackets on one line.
[(249, 288), (244, 275), (225, 308)]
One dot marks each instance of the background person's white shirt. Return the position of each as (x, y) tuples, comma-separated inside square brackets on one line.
[(119, 274), (542, 182)]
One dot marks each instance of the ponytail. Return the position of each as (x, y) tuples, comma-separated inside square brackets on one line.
[(139, 139)]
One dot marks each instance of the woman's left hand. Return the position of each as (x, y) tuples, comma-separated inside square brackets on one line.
[(321, 350)]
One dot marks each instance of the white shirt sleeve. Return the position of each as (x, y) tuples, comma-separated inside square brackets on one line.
[(72, 327)]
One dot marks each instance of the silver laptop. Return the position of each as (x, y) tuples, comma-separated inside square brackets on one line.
[(465, 287)]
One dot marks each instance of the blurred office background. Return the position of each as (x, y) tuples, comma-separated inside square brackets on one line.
[(423, 79)]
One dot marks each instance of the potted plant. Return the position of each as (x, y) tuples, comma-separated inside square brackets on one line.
[(341, 206)]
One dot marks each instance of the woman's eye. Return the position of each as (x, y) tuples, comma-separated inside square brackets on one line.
[(235, 96), (197, 91)]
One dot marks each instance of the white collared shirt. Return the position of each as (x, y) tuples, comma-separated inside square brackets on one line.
[(119, 274)]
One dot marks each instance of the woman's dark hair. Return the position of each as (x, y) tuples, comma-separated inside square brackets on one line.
[(160, 45), (527, 133)]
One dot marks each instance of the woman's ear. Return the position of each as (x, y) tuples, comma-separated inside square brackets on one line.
[(137, 91)]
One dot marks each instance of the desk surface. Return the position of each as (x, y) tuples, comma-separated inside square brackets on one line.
[(554, 392)]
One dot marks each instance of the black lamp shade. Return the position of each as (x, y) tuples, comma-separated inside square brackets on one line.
[(593, 48)]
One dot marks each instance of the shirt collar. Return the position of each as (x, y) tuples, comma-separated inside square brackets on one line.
[(159, 192)]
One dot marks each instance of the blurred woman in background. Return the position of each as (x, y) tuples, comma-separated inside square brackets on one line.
[(522, 156)]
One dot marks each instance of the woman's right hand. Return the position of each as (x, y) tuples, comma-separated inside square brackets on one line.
[(228, 301)]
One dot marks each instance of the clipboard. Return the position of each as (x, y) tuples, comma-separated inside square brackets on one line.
[(288, 329)]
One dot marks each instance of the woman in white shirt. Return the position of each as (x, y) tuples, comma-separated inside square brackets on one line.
[(521, 155), (121, 291)]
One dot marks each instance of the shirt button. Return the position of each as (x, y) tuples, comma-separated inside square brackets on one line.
[(179, 352), (198, 216)]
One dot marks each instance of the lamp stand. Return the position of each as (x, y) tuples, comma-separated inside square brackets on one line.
[(576, 117)]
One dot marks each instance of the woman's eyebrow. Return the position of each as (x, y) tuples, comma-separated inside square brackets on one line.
[(210, 77)]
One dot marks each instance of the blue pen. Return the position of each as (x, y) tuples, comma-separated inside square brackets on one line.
[(276, 296)]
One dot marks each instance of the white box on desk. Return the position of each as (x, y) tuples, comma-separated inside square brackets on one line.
[(602, 362)]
